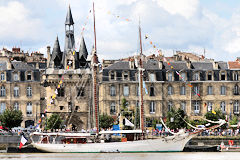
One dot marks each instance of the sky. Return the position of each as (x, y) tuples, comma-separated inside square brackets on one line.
[(170, 25)]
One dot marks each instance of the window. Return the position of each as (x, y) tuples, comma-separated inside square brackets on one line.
[(235, 90), (113, 108), (183, 75), (15, 77), (61, 107), (3, 91), (29, 109), (170, 90), (196, 90), (170, 105), (2, 76), (183, 106), (112, 76), (152, 77), (235, 76), (196, 105), (170, 78), (16, 91), (112, 90), (223, 76), (3, 107), (16, 106), (209, 76), (29, 76), (125, 75), (152, 90), (29, 91), (125, 91), (209, 106), (223, 106), (210, 90), (60, 92), (236, 107), (223, 90), (152, 107), (182, 90), (76, 108), (196, 77)]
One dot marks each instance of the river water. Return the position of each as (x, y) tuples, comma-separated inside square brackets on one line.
[(122, 156)]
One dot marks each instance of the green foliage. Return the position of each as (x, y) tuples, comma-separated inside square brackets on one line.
[(54, 122), (176, 116), (234, 121), (215, 117), (11, 118), (105, 121), (196, 122), (125, 110), (152, 122)]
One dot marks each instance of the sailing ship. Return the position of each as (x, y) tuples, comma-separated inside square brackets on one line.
[(136, 140)]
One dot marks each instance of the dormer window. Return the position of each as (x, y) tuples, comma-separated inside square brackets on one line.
[(15, 77), (29, 76), (235, 76), (170, 77), (112, 76), (125, 75), (196, 77), (152, 77), (209, 76), (183, 76), (223, 76)]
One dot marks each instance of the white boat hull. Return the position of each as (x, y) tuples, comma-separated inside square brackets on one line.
[(150, 145)]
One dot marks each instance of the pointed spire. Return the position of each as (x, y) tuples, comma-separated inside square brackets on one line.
[(83, 49), (69, 19), (56, 49)]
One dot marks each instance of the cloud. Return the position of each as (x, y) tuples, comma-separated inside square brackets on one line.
[(17, 25), (185, 8)]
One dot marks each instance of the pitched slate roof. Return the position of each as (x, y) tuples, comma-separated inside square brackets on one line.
[(69, 19), (3, 65), (83, 49), (202, 65), (56, 50), (176, 65), (21, 66), (122, 65), (151, 65)]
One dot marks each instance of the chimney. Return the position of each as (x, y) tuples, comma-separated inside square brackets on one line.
[(48, 55), (188, 63), (215, 65)]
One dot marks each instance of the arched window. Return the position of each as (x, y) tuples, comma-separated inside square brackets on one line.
[(209, 76), (112, 75), (125, 75), (16, 91), (3, 91), (16, 106), (113, 108), (29, 91), (170, 105), (236, 90), (223, 76), (152, 90), (183, 76), (170, 76), (29, 109), (29, 76), (235, 76), (2, 76), (112, 90), (170, 90), (15, 77), (196, 77)]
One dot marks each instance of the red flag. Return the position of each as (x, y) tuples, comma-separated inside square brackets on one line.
[(23, 141)]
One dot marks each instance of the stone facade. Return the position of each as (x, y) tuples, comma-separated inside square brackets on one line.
[(207, 86)]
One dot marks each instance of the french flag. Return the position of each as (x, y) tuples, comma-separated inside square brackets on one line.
[(23, 141)]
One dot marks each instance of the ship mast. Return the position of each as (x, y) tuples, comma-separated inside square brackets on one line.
[(95, 66), (141, 83)]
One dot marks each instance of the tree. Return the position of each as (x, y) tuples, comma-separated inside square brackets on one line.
[(106, 121), (234, 121), (215, 116), (54, 122), (174, 119), (11, 118)]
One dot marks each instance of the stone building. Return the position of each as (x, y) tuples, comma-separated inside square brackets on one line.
[(72, 68), (19, 89), (205, 86)]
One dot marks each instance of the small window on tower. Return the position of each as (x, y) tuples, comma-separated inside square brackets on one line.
[(61, 107)]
